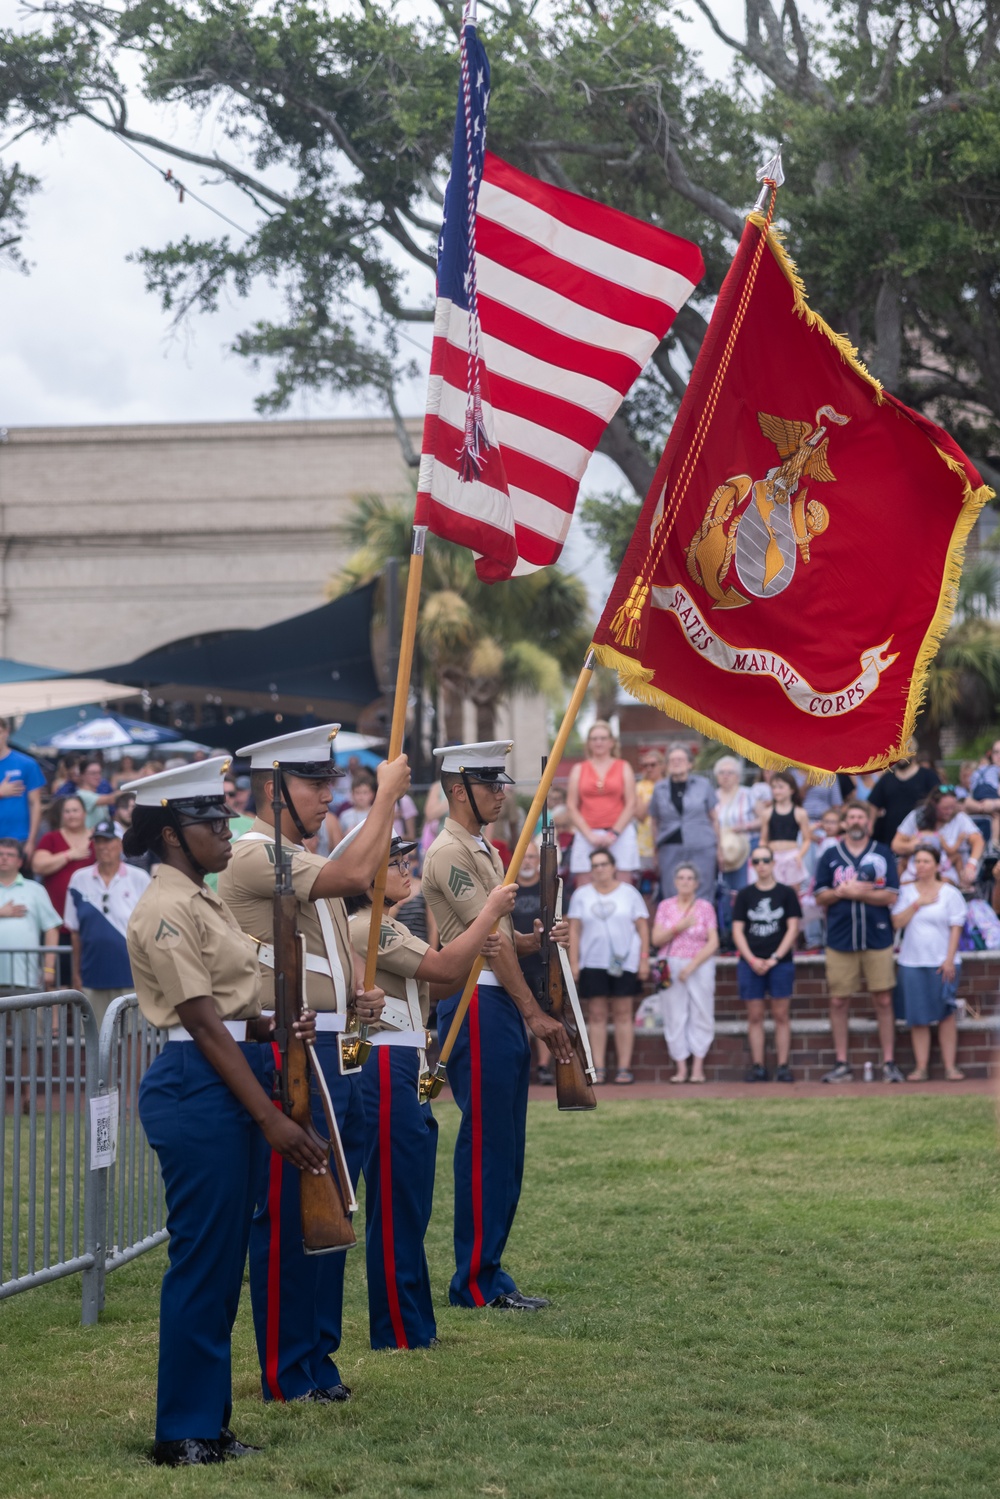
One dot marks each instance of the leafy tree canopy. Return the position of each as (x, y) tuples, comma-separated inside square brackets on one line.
[(339, 125)]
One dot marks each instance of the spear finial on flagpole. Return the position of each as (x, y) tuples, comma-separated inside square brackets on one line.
[(771, 175)]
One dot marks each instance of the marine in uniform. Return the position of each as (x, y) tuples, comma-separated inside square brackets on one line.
[(205, 1105), (297, 1298), (401, 1132), (488, 1069)]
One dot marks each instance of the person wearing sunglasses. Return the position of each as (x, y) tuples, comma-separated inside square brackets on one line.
[(766, 917), (400, 1131), (100, 899)]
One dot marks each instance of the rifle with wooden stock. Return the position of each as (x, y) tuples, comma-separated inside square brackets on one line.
[(559, 998), (326, 1201)]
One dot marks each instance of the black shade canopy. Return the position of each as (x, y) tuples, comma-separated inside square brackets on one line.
[(317, 661)]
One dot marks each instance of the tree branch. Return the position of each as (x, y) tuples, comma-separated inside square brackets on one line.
[(769, 56), (235, 174), (397, 231), (620, 446), (880, 93), (410, 456), (661, 358)]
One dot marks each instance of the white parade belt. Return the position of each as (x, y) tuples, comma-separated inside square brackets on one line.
[(326, 1020), (236, 1028), (415, 1039), (314, 963), (487, 976)]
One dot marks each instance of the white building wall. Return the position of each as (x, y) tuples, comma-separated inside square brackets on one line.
[(116, 540)]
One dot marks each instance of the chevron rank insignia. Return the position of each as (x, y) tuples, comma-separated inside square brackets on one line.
[(167, 935), (460, 884), (386, 938)]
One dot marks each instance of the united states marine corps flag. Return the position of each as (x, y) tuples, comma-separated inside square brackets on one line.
[(797, 558)]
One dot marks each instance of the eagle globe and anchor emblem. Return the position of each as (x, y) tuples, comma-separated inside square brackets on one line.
[(766, 525)]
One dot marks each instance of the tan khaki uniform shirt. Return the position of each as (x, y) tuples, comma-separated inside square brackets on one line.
[(400, 954), (247, 887), (459, 873), (182, 944)]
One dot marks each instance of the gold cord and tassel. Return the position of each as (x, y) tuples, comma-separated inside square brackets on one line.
[(626, 623)]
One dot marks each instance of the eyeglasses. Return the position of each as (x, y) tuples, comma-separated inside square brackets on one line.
[(215, 825), (403, 865), (602, 864), (761, 861)]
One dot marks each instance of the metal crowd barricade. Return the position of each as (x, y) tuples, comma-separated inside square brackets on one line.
[(131, 1209), (64, 1210), (49, 1045)]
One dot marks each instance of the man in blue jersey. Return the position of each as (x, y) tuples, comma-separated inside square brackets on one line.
[(856, 884)]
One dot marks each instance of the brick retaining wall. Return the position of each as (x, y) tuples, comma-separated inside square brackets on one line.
[(812, 1047)]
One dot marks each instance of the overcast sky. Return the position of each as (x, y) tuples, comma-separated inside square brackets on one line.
[(83, 342)]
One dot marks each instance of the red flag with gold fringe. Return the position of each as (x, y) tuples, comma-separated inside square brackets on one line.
[(797, 558)]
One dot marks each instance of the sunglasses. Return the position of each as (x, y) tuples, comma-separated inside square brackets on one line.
[(761, 861), (947, 790)]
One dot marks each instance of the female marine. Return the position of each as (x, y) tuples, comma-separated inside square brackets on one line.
[(401, 1132), (205, 1103)]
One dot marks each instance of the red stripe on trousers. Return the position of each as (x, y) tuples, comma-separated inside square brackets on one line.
[(385, 1174), (273, 1264), (476, 1079)]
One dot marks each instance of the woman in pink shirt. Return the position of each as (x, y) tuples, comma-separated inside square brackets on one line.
[(686, 934)]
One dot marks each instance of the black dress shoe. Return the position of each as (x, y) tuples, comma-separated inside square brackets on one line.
[(513, 1301), (231, 1446), (187, 1452), (333, 1394)]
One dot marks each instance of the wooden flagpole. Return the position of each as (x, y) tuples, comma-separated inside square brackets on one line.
[(399, 705), (432, 1083)]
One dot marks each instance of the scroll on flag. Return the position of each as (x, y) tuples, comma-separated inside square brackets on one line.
[(548, 307), (797, 558)]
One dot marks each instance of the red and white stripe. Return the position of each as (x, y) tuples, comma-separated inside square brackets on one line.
[(573, 299)]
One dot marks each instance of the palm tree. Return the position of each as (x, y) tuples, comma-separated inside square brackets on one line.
[(963, 683), (480, 642)]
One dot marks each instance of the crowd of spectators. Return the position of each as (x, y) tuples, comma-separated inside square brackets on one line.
[(666, 864)]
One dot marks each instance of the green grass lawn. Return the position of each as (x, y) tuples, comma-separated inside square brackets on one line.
[(750, 1298)]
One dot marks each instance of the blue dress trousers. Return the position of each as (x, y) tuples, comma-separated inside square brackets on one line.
[(488, 1073), (212, 1156), (400, 1154), (298, 1298)]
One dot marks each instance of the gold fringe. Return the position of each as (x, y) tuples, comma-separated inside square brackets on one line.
[(840, 341), (973, 501), (637, 681)]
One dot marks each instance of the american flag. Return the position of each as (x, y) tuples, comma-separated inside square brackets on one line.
[(548, 307)]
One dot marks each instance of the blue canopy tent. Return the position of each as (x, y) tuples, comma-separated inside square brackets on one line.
[(314, 667)]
